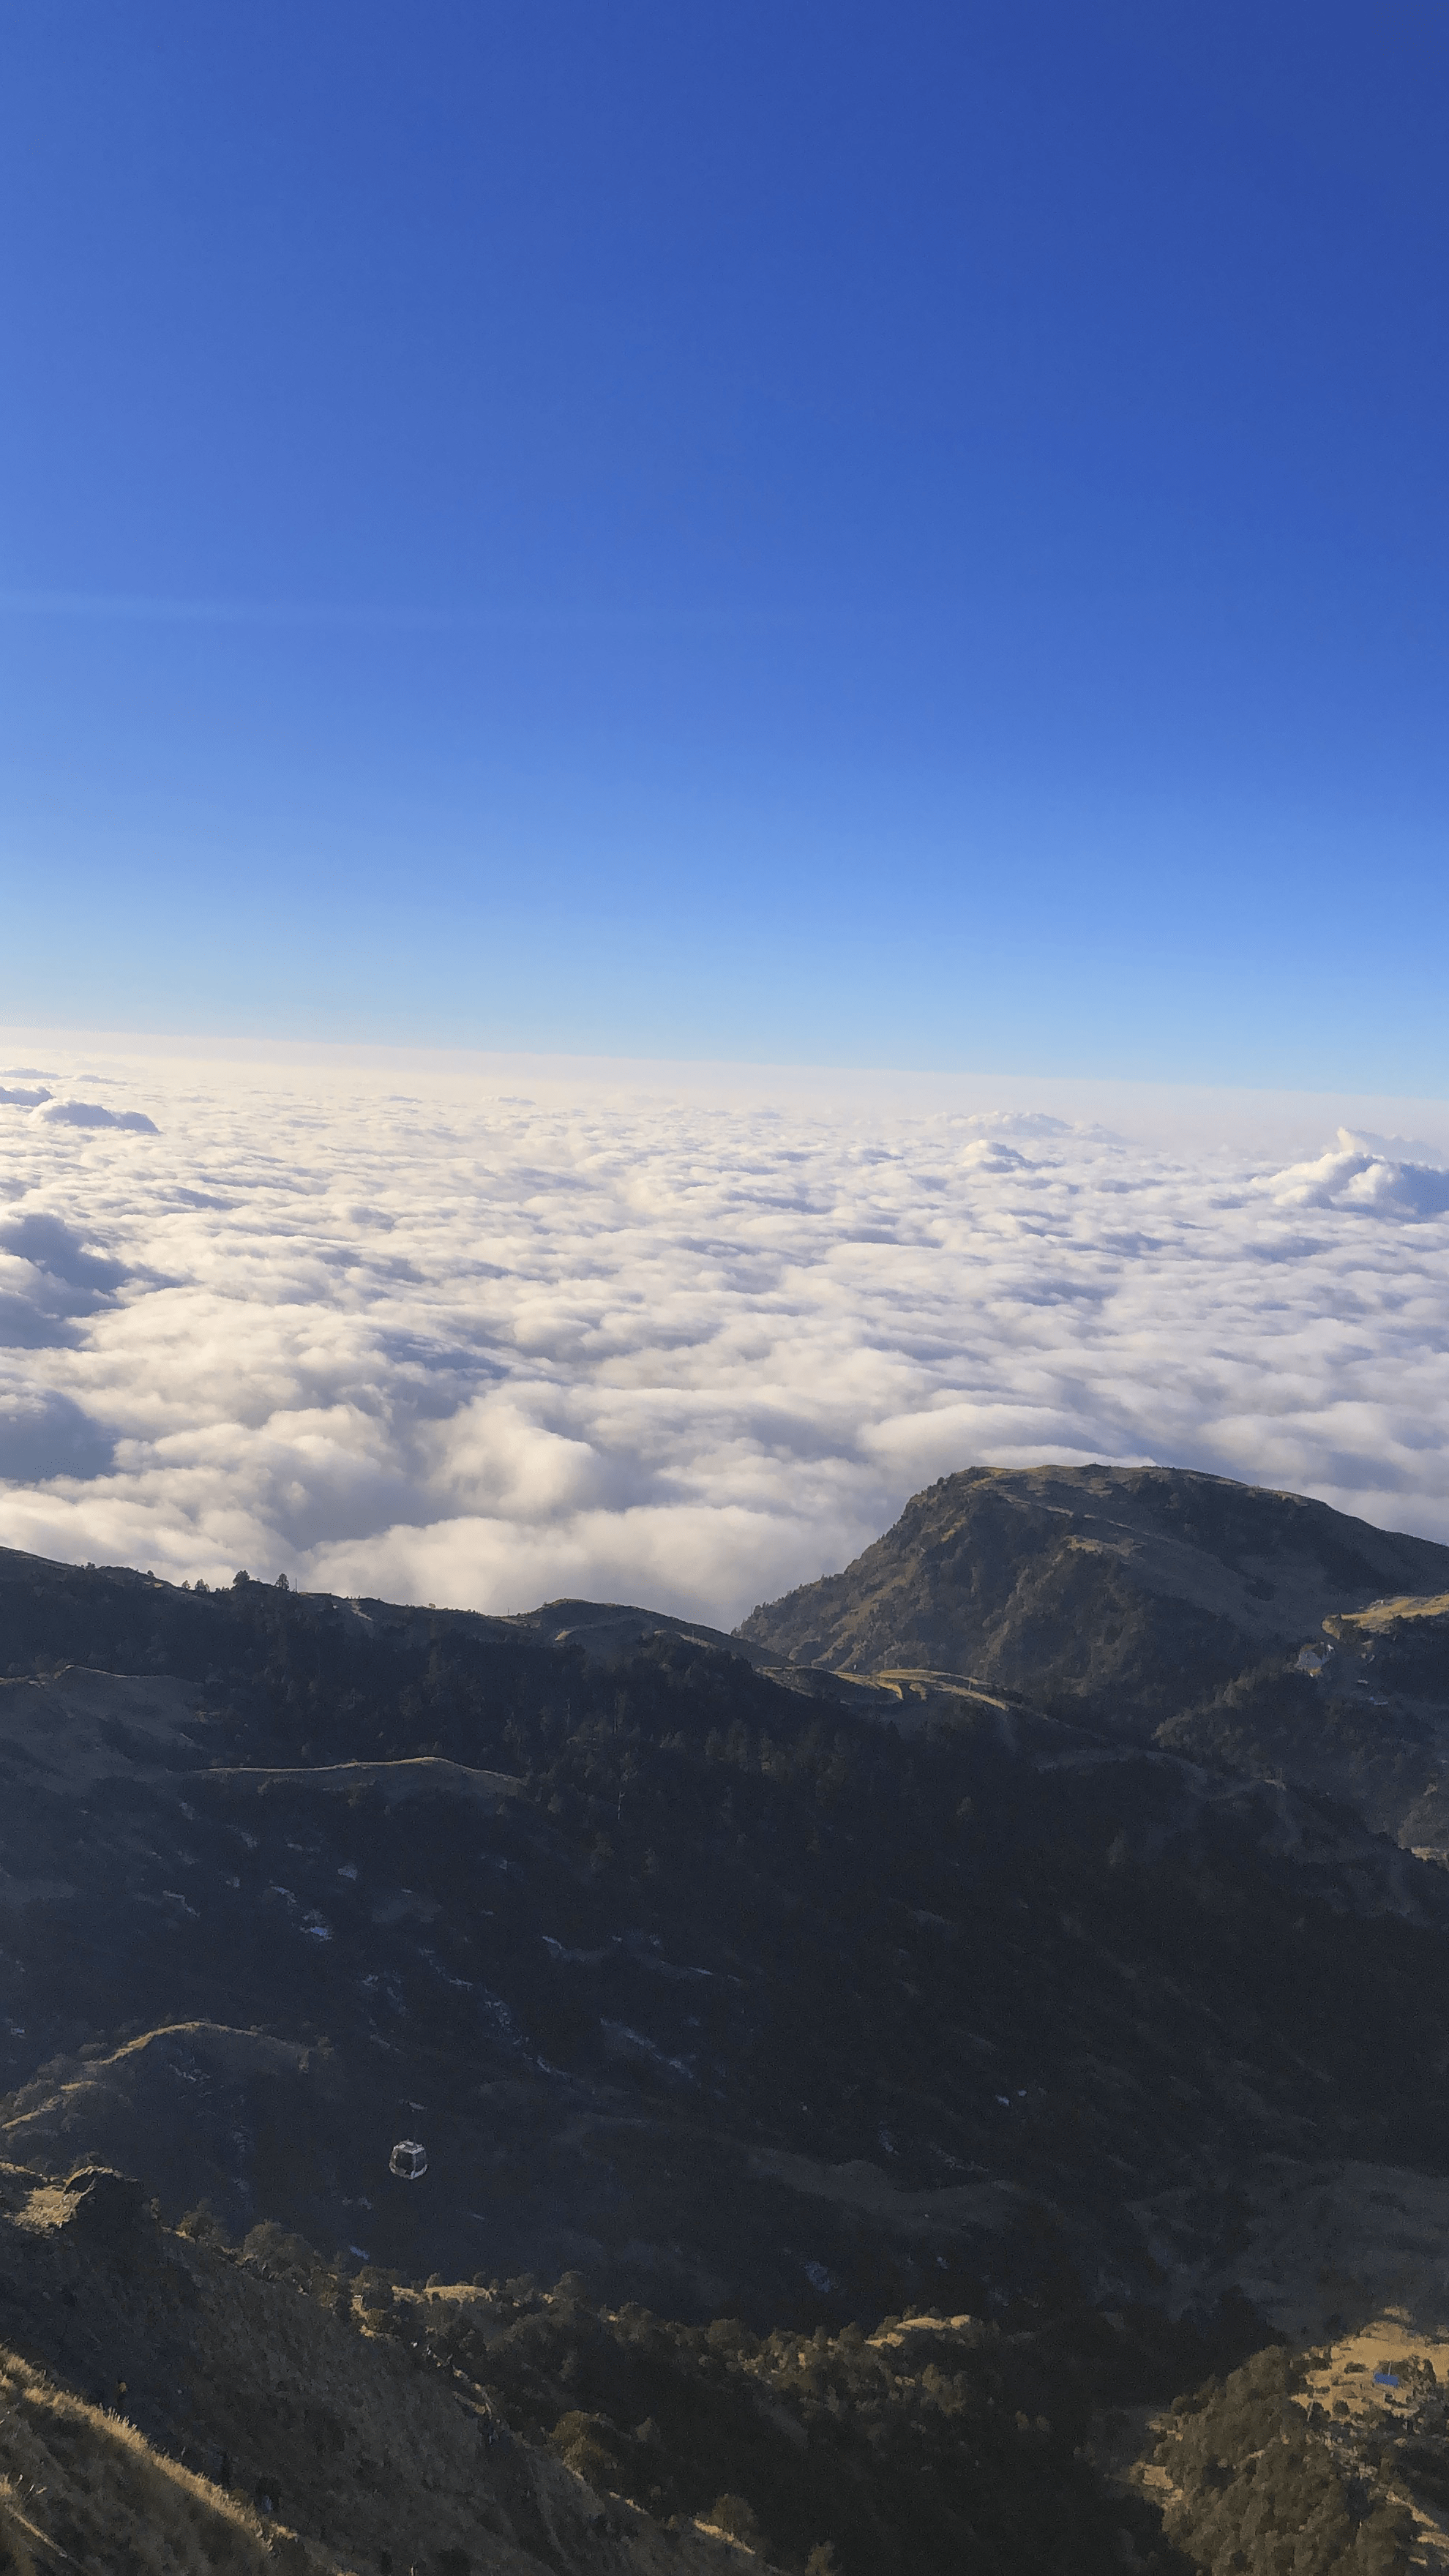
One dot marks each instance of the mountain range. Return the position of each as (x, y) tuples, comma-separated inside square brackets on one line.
[(1017, 1929)]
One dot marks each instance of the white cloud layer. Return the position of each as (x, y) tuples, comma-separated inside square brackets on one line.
[(483, 1335)]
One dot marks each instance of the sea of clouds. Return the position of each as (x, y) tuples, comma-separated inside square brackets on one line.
[(481, 1334)]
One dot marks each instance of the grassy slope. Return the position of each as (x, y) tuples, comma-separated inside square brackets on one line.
[(171, 2404)]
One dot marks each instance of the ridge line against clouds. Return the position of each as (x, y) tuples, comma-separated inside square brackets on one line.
[(486, 1337)]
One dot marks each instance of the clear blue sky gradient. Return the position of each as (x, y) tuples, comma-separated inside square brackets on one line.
[(900, 534)]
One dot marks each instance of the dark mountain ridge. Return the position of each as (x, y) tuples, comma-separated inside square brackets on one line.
[(740, 1988), (702, 1981)]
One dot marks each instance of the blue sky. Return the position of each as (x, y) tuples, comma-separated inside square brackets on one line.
[(844, 533)]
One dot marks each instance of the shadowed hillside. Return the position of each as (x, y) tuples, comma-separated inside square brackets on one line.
[(724, 1993), (751, 2002)]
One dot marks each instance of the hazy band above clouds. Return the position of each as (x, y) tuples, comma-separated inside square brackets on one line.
[(481, 1338)]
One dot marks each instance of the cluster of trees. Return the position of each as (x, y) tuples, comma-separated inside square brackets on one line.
[(926, 2444), (1271, 1721), (1255, 2494), (930, 2444)]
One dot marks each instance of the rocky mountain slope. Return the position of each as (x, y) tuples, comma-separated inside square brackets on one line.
[(1255, 1631), (1118, 1590)]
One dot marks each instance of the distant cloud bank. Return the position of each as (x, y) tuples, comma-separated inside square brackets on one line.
[(456, 1340), (93, 1113)]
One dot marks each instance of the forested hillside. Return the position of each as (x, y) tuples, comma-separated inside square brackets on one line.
[(759, 2008)]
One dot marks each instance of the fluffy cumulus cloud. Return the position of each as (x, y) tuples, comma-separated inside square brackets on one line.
[(481, 1337), (1380, 1174)]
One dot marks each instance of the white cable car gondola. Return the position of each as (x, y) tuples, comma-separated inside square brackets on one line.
[(408, 2160)]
